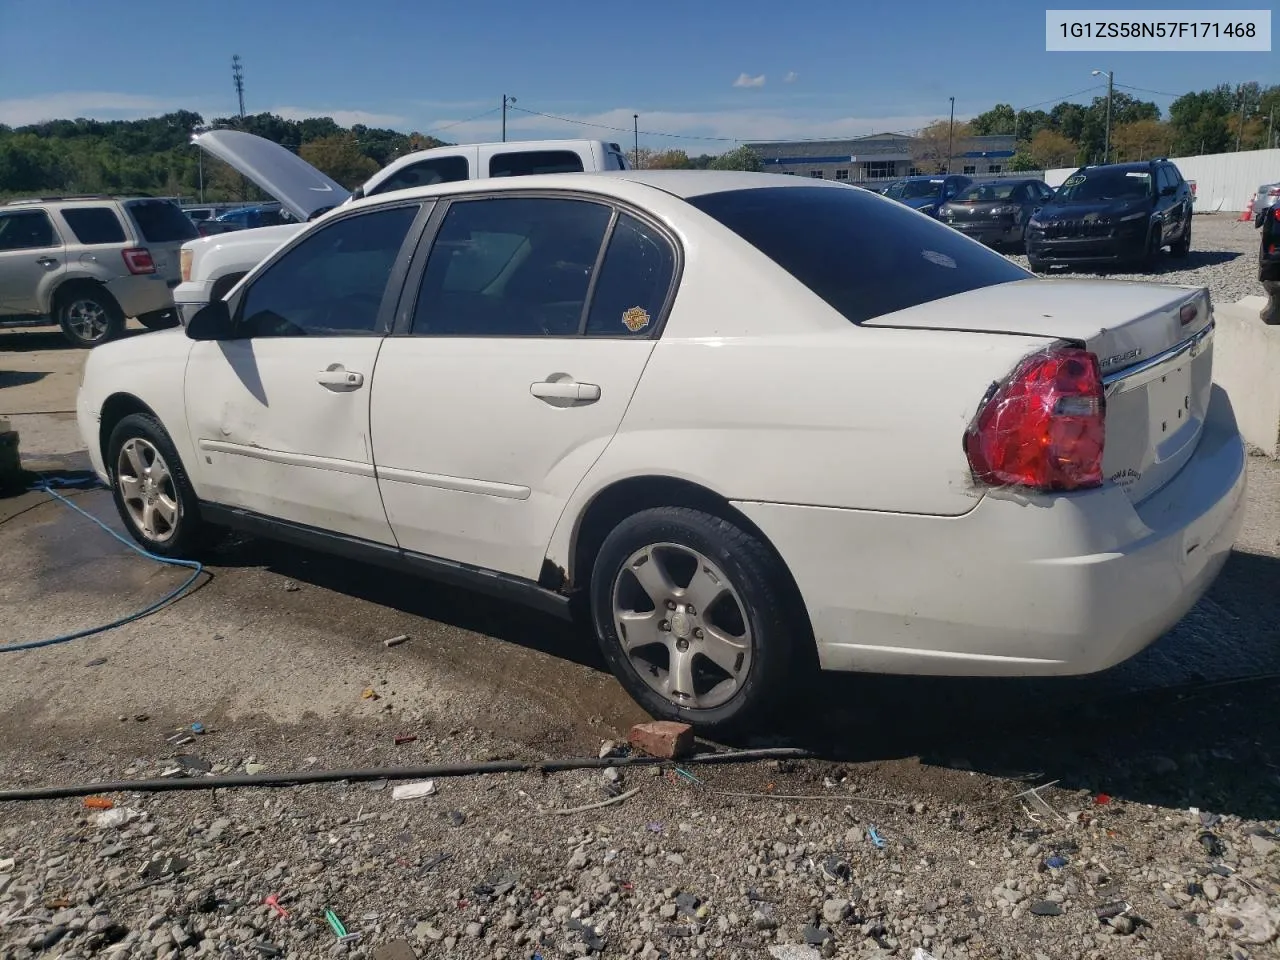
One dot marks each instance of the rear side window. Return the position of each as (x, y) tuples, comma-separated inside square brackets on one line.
[(531, 162), (864, 256), (615, 161), (160, 221), (425, 174), (26, 230), (93, 225), (633, 282)]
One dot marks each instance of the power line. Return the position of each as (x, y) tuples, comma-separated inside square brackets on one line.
[(1096, 86), (1158, 93), (458, 123), (605, 126)]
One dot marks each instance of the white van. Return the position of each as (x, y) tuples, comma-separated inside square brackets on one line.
[(212, 266)]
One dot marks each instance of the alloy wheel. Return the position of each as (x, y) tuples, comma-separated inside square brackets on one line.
[(88, 319), (682, 625), (147, 489)]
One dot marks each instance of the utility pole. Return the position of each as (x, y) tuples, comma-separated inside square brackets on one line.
[(635, 126), (505, 100), (1111, 82), (951, 132), (237, 77)]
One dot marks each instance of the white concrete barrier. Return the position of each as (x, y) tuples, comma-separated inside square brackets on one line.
[(1246, 363)]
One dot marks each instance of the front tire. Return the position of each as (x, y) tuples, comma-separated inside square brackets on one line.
[(1182, 248), (1037, 266), (89, 316), (151, 490), (1150, 257), (698, 620)]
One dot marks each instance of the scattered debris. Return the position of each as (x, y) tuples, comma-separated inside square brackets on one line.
[(253, 769), (194, 764), (456, 818), (664, 739), (198, 729), (1047, 908), (1055, 862), (99, 661), (875, 838), (402, 738), (369, 694), (1213, 846), (114, 818), (607, 802), (98, 803), (273, 901), (1110, 910), (793, 951), (1102, 799), (396, 641), (395, 950), (414, 791), (163, 867), (291, 587)]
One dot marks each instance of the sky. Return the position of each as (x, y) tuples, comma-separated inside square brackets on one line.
[(702, 76)]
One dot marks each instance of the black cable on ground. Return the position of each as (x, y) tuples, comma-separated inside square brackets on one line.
[(387, 773)]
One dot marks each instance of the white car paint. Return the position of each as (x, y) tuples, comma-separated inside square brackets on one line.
[(841, 442), (216, 262)]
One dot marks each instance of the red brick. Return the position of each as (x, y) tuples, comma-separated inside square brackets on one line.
[(664, 739)]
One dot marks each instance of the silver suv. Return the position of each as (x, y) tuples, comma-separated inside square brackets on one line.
[(88, 263)]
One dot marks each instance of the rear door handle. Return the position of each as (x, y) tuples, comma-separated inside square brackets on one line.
[(337, 377), (47, 262), (565, 390)]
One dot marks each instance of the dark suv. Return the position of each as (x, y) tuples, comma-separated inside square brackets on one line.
[(1269, 262), (1115, 213)]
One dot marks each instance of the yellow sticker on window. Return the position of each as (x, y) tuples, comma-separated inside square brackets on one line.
[(635, 319)]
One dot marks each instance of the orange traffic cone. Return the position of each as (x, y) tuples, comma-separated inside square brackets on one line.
[(1247, 213)]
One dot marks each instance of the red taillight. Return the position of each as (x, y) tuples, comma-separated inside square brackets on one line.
[(1187, 313), (138, 260), (1043, 426)]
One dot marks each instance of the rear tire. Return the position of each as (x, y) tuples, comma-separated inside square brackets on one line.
[(1037, 266), (1182, 248), (151, 490), (1150, 257), (725, 640), (88, 315)]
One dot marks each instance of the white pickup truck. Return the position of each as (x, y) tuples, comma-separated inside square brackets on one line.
[(212, 266)]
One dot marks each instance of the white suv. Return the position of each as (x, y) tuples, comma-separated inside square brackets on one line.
[(87, 263), (212, 266)]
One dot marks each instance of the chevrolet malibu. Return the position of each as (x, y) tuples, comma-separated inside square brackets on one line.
[(747, 428)]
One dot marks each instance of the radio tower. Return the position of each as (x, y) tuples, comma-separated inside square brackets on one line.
[(237, 77)]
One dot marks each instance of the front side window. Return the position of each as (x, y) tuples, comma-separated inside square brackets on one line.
[(634, 280), (94, 225), (426, 173), (511, 267), (864, 257), (332, 283), (26, 230), (530, 162)]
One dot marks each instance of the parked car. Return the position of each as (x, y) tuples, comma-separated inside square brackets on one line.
[(926, 194), (996, 212), (1113, 213), (211, 268), (749, 425), (270, 214), (87, 263), (1268, 197), (1269, 263)]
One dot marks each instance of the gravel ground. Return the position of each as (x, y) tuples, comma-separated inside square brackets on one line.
[(486, 868), (1224, 258)]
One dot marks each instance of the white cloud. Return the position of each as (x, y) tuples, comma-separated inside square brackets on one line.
[(344, 118), (791, 77), (694, 131), (744, 80), (99, 105)]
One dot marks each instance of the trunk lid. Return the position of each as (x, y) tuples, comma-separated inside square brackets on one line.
[(301, 188), (162, 228), (1156, 359)]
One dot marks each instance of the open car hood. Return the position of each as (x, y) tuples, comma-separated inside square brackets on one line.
[(301, 188)]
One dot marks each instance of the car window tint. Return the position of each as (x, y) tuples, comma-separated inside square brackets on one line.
[(426, 173), (633, 283), (529, 162), (863, 256), (28, 230), (161, 221), (510, 267), (93, 225), (332, 282)]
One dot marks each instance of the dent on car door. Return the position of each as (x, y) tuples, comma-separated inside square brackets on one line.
[(517, 361), (279, 412)]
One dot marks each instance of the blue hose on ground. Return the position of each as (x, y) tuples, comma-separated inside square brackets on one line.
[(194, 566)]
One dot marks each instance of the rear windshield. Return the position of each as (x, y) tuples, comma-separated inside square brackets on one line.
[(1092, 186), (986, 191), (914, 189), (862, 255), (93, 225), (534, 161), (161, 221)]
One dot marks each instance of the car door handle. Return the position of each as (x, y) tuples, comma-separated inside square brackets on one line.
[(47, 262), (565, 390), (338, 377)]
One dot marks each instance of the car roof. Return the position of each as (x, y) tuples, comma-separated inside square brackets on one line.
[(680, 183)]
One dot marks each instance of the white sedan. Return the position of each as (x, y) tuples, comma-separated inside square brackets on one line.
[(750, 426)]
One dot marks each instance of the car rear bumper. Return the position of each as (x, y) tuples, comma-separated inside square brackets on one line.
[(1019, 586), (145, 293)]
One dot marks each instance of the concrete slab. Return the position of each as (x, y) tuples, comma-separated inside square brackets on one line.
[(1246, 363)]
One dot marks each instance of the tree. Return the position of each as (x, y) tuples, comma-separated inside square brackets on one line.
[(999, 119), (661, 160), (1050, 149), (1020, 161), (743, 158), (929, 148), (1141, 140), (339, 156)]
